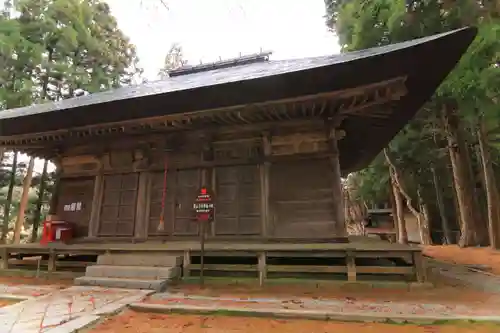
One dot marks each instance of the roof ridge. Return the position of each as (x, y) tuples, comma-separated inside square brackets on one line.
[(231, 62)]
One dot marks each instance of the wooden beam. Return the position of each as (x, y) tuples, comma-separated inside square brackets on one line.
[(395, 89)]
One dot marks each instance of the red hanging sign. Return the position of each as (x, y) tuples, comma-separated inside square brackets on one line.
[(204, 206)]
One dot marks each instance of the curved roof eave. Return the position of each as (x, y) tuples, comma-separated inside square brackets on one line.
[(425, 62)]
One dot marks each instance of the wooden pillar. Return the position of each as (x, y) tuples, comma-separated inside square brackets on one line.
[(264, 169), (96, 205), (213, 185), (337, 193), (141, 225), (208, 174), (54, 199)]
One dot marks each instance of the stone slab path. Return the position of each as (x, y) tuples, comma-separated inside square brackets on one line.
[(64, 311), (22, 292), (333, 308)]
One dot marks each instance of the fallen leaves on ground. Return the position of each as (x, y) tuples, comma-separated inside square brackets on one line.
[(444, 294), (466, 256), (5, 303), (131, 322)]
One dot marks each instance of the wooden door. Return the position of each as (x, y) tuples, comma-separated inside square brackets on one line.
[(301, 200), (119, 203), (181, 190), (75, 203), (238, 200)]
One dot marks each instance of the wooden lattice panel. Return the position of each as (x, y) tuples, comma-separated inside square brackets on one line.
[(182, 187), (238, 200), (119, 203)]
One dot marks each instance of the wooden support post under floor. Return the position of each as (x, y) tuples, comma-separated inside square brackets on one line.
[(351, 265), (186, 263), (262, 268), (420, 267), (52, 261), (4, 263)]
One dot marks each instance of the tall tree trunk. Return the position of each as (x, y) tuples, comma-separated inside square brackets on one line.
[(492, 194), (480, 227), (394, 212), (462, 185), (8, 201), (419, 215), (2, 154), (24, 201), (400, 214), (423, 219), (39, 202), (441, 207)]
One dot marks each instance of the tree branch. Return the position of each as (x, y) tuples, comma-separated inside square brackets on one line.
[(397, 182)]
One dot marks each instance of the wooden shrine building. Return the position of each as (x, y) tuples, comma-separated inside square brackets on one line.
[(270, 138)]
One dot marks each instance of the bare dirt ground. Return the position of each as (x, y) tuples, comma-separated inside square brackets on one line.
[(466, 256), (5, 303), (444, 293), (131, 322)]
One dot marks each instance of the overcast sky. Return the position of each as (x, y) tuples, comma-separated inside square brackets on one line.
[(209, 29)]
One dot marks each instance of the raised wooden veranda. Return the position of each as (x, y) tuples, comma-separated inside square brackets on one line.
[(361, 256)]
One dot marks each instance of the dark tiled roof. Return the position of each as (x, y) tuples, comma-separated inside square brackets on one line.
[(211, 78), (424, 63)]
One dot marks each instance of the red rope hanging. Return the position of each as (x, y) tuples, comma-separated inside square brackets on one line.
[(161, 225)]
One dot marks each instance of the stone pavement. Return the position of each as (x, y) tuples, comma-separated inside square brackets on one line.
[(23, 292), (66, 310), (348, 309)]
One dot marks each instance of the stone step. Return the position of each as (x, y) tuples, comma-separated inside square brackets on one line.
[(157, 285), (149, 260), (132, 272)]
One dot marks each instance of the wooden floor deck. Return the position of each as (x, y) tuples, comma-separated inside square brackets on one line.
[(358, 244), (362, 255)]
